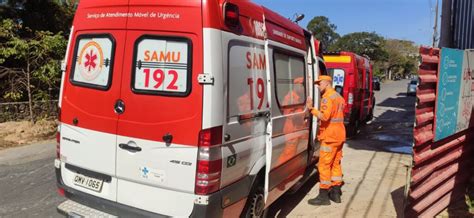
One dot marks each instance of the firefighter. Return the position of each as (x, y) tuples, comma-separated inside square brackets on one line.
[(332, 135)]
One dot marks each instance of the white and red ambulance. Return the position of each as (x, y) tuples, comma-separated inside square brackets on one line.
[(183, 108)]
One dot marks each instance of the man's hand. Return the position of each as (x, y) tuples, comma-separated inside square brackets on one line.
[(309, 103)]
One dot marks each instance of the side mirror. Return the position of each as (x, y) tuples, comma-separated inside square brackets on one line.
[(298, 18)]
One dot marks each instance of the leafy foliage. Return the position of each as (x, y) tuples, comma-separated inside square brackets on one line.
[(363, 43), (403, 56), (32, 45), (389, 57), (324, 31), (44, 15)]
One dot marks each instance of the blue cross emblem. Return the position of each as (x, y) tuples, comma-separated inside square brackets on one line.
[(145, 171), (338, 79)]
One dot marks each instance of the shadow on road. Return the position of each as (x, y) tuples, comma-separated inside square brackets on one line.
[(390, 131), (401, 101), (283, 206), (398, 199)]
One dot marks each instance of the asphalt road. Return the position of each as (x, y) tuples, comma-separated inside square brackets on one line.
[(28, 189), (27, 182)]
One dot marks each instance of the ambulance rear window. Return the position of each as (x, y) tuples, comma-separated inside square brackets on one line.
[(162, 66), (93, 62)]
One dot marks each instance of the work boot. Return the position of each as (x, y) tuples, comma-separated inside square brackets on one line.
[(321, 199), (335, 194)]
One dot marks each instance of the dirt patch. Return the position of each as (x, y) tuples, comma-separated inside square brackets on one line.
[(13, 134)]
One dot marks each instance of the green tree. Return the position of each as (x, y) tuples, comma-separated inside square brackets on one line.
[(33, 63), (402, 57), (362, 43), (324, 31), (46, 15)]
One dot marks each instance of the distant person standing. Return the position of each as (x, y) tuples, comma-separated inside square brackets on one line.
[(332, 135)]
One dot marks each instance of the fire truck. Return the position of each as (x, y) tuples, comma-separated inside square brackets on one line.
[(184, 108)]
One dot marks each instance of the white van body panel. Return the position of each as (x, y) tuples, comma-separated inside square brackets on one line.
[(158, 200), (91, 150), (247, 140), (213, 97), (160, 174)]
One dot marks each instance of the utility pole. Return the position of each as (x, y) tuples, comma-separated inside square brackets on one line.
[(446, 39), (435, 28)]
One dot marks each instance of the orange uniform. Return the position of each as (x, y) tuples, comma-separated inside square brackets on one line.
[(332, 135)]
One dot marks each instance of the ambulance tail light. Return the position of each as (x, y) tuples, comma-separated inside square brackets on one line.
[(209, 164), (350, 99), (61, 192), (231, 15)]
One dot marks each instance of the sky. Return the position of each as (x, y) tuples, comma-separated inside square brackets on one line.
[(396, 19)]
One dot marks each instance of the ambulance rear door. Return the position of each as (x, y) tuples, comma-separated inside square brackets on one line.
[(159, 127), (89, 96)]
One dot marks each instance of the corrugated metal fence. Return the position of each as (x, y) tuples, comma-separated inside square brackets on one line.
[(463, 23), (441, 169)]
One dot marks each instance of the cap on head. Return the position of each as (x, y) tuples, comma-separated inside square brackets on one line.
[(323, 77), (298, 80)]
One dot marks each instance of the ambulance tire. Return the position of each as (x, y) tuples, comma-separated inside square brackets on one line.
[(255, 206), (353, 129), (371, 113), (371, 116)]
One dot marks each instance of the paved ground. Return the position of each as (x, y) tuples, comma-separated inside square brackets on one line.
[(373, 163), (27, 187)]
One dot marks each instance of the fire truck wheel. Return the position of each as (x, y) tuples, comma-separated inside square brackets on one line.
[(255, 207)]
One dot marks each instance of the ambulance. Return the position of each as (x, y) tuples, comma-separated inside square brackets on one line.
[(184, 109), (353, 79)]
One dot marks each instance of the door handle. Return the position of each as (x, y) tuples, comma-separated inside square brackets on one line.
[(130, 148)]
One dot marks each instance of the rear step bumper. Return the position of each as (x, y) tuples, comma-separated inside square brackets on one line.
[(83, 200), (86, 201), (71, 208)]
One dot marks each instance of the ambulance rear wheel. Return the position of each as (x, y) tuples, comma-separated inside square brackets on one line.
[(255, 206)]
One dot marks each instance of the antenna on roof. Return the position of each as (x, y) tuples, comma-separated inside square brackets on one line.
[(298, 17)]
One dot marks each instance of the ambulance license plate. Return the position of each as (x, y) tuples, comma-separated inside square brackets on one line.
[(88, 182)]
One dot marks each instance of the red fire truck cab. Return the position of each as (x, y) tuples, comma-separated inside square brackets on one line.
[(352, 78)]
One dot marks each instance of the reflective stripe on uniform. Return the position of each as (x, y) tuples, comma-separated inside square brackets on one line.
[(336, 178), (326, 148), (326, 182), (334, 96), (337, 120)]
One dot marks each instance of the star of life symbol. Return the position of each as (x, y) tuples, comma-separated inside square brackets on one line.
[(91, 61), (338, 79)]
